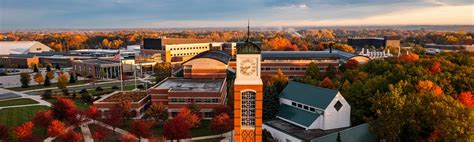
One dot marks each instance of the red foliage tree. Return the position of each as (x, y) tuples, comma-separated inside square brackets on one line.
[(4, 133), (221, 109), (436, 67), (351, 64), (222, 123), (141, 128), (176, 128), (70, 136), (428, 87), (114, 119), (409, 58), (56, 128), (24, 131), (190, 117), (92, 112), (327, 83), (128, 138), (64, 108), (43, 118), (467, 99)]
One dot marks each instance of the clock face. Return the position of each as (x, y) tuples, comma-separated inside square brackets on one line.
[(248, 67)]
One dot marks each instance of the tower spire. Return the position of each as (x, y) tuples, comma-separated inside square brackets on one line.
[(248, 30)]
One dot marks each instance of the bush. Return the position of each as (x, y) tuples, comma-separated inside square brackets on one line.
[(86, 97), (140, 86), (46, 94), (99, 89), (83, 91), (65, 92), (115, 87), (74, 95)]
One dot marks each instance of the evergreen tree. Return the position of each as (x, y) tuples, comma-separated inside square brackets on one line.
[(57, 67), (72, 77), (35, 68), (46, 81), (338, 139), (312, 74), (271, 102), (48, 68)]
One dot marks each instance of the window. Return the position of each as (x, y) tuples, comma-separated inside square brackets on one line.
[(174, 100), (305, 107), (190, 100), (181, 100), (207, 100), (312, 109), (208, 114), (248, 109), (293, 103), (215, 100), (300, 106), (287, 140), (338, 105), (197, 100)]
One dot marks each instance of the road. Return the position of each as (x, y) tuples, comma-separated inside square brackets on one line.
[(78, 88)]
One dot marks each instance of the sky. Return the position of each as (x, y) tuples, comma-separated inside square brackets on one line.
[(39, 14)]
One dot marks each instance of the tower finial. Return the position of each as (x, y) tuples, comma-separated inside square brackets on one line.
[(248, 30)]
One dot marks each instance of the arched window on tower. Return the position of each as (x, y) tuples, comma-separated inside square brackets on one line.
[(248, 109)]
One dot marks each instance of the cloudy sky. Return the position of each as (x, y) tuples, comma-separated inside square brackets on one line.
[(19, 14)]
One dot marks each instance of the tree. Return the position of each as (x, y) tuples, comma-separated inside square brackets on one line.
[(48, 67), (157, 112), (102, 73), (85, 96), (436, 67), (351, 64), (409, 58), (106, 43), (162, 71), (4, 133), (62, 81), (57, 67), (141, 128), (221, 109), (35, 68), (312, 74), (56, 128), (327, 83), (72, 77), (25, 79), (428, 87), (93, 113), (64, 108), (190, 117), (176, 129), (114, 118), (222, 123), (330, 71), (50, 74), (128, 138), (277, 43), (46, 81), (71, 136), (43, 118), (24, 131), (271, 102), (38, 78), (467, 99), (279, 81)]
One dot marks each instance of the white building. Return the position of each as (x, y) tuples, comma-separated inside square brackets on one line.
[(22, 47), (310, 109)]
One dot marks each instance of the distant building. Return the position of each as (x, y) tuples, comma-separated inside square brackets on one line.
[(307, 112), (437, 48), (138, 99), (387, 41), (22, 47), (96, 67)]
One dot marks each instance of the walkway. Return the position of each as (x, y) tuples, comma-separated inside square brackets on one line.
[(36, 98)]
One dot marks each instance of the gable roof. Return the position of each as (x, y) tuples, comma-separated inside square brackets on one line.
[(20, 47), (295, 115), (307, 94), (216, 55)]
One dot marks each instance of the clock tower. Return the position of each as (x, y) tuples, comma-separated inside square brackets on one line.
[(248, 95)]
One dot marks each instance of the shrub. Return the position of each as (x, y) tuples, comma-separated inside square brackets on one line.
[(46, 94), (65, 92), (74, 95), (83, 91), (86, 97), (115, 87), (99, 89), (140, 86)]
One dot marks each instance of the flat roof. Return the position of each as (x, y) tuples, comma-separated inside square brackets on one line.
[(122, 96), (192, 84), (307, 55), (299, 132), (98, 61)]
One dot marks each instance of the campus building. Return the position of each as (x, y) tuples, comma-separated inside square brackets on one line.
[(138, 100), (22, 47), (204, 85), (438, 48), (368, 42)]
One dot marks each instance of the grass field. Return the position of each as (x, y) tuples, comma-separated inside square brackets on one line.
[(202, 130), (12, 117), (14, 102), (79, 103), (41, 86)]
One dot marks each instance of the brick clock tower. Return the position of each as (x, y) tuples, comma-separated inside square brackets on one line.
[(248, 95)]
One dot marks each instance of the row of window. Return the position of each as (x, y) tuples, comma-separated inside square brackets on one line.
[(205, 114), (195, 100), (185, 54), (303, 106), (321, 68), (189, 48)]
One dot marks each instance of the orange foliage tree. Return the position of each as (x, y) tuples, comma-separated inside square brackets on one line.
[(427, 87), (128, 138), (56, 128), (64, 108), (176, 128), (327, 83), (409, 58), (222, 123), (467, 99), (351, 64), (278, 43), (70, 136), (141, 128), (24, 131), (436, 67), (190, 117)]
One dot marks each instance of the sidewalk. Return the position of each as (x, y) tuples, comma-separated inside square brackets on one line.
[(36, 98), (71, 86)]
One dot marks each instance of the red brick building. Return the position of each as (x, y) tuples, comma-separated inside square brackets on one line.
[(139, 101)]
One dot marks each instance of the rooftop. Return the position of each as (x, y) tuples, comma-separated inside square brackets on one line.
[(299, 132), (297, 115), (307, 55), (170, 41), (125, 96), (192, 84), (217, 55), (308, 94), (98, 61)]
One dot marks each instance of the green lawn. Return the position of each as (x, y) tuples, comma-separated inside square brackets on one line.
[(41, 86), (202, 130), (13, 117), (14, 102)]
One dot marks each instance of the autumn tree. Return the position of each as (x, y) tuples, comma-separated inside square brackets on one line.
[(141, 128), (56, 128), (24, 131), (279, 81), (93, 113), (50, 74), (409, 58), (312, 74), (436, 67), (162, 71), (38, 78), (222, 123), (128, 138), (4, 133), (71, 136), (62, 81), (64, 108), (25, 79), (327, 83), (43, 118), (467, 99), (351, 64), (176, 129), (190, 117), (221, 109), (114, 118), (157, 112), (428, 87), (106, 43)]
